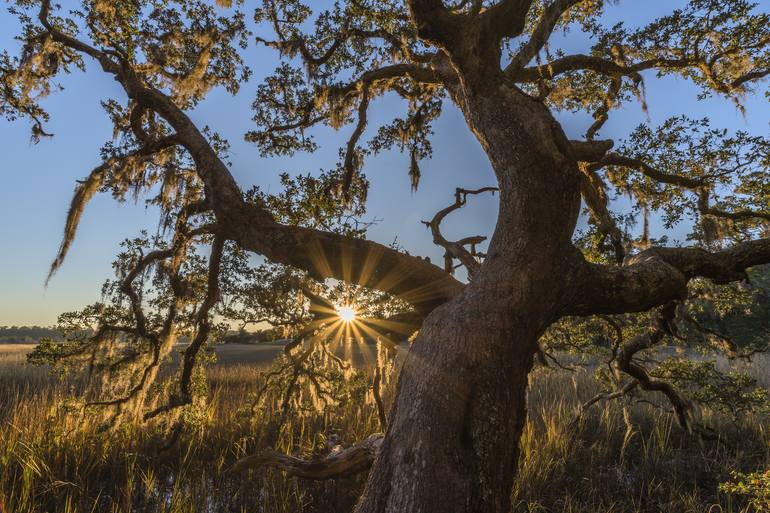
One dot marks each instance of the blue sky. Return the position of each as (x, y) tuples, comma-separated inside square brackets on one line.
[(36, 181)]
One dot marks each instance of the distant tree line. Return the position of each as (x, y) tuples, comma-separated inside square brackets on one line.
[(27, 334), (253, 337), (33, 335)]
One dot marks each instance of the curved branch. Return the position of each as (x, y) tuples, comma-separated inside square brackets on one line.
[(576, 62), (724, 342), (700, 185), (434, 22), (662, 326), (615, 159), (299, 45), (455, 249), (351, 163), (593, 190), (602, 114), (161, 342), (604, 396), (602, 66), (737, 215), (307, 115), (127, 287), (416, 72), (60, 37), (317, 252), (339, 463), (203, 330), (542, 32), (658, 275)]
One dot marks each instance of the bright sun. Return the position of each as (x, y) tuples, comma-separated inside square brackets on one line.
[(346, 313)]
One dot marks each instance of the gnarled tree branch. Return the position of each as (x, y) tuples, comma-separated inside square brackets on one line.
[(658, 275), (339, 463), (456, 249), (317, 252), (543, 30)]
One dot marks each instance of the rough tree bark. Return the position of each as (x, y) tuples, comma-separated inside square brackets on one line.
[(461, 401)]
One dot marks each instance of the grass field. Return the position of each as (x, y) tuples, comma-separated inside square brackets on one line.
[(51, 463)]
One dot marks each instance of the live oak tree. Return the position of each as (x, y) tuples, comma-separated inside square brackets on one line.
[(452, 435)]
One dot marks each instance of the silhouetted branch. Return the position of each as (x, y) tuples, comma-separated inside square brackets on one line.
[(456, 249)]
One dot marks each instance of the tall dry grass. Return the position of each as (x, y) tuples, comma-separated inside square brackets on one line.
[(52, 462)]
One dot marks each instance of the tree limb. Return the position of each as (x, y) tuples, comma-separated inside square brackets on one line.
[(658, 275), (506, 18), (662, 326), (456, 249), (203, 329), (351, 163), (434, 22), (542, 32), (317, 252), (591, 151), (338, 463), (615, 159), (582, 62)]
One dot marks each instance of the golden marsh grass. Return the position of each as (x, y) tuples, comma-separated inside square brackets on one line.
[(49, 463)]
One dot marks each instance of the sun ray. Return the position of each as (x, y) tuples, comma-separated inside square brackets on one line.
[(336, 324), (346, 263), (337, 335), (346, 342), (318, 257), (316, 324), (369, 265), (375, 335), (402, 328), (389, 281), (362, 346)]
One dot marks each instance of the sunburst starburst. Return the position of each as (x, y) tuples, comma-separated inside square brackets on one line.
[(346, 313)]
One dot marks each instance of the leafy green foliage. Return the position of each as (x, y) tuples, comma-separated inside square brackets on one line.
[(322, 51), (732, 393), (754, 486), (730, 166)]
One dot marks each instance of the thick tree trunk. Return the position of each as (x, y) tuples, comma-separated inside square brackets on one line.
[(453, 439)]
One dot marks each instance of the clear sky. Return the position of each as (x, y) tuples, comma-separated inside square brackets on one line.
[(37, 181)]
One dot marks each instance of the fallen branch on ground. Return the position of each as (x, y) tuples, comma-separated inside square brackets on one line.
[(338, 463)]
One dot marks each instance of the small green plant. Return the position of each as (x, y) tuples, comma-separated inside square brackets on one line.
[(755, 487)]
